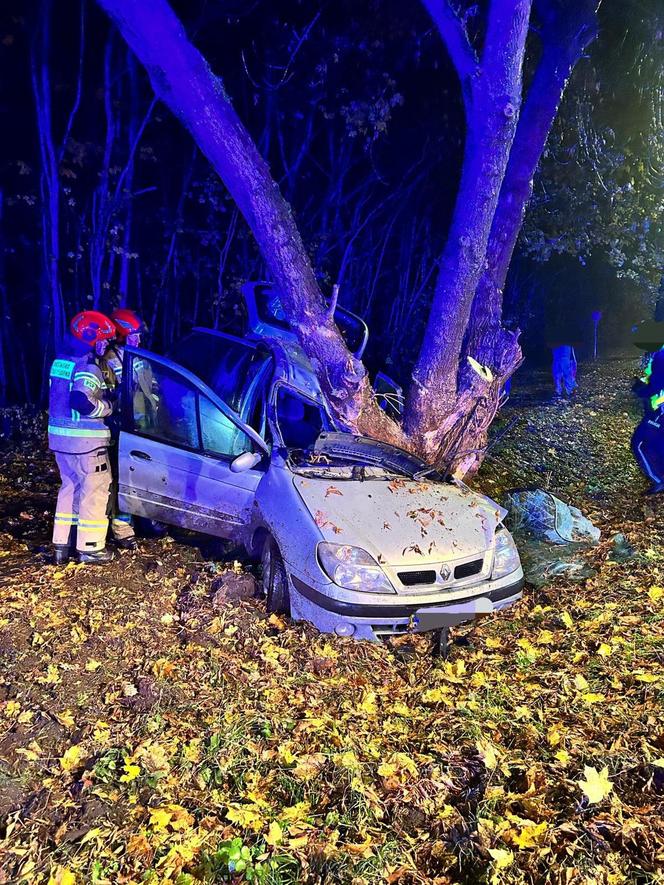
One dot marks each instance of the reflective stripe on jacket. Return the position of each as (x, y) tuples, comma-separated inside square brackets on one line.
[(71, 381)]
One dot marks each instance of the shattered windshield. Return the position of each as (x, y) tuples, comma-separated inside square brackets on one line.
[(345, 456)]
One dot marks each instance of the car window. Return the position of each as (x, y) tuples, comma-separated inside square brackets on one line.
[(236, 372), (300, 421), (220, 436), (163, 404)]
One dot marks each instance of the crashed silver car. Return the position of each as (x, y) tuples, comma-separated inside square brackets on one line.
[(232, 437)]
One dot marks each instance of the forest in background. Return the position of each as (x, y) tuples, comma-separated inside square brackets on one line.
[(358, 114)]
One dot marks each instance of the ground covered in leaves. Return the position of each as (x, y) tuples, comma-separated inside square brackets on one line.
[(156, 725)]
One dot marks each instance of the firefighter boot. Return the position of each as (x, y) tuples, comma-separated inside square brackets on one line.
[(61, 553), (96, 557)]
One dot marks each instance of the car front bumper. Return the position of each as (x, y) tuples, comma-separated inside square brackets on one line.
[(365, 620)]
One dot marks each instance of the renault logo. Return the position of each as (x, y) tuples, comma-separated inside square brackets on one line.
[(446, 573)]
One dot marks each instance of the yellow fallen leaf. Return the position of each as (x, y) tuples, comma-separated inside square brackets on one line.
[(580, 682), (545, 637), (554, 735), (487, 754), (596, 785), (368, 703), (92, 666), (160, 818), (131, 771), (102, 732), (491, 642), (193, 750), (400, 709), (12, 709), (296, 812), (563, 757), (286, 755), (66, 718), (646, 677), (433, 696), (502, 857), (591, 697), (275, 834), (656, 593), (605, 650), (349, 760), (658, 762), (566, 618), (62, 876), (72, 757), (399, 764), (246, 816), (531, 835)]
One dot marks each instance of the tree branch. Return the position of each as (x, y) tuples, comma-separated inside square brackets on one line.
[(454, 36)]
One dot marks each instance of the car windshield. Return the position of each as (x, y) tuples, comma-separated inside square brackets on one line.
[(345, 456), (300, 420)]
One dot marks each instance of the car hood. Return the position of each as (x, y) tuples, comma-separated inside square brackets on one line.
[(402, 521)]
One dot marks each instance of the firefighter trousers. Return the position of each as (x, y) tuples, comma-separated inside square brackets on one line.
[(82, 500), (122, 525), (648, 447)]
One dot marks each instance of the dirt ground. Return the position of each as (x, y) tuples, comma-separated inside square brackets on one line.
[(157, 726)]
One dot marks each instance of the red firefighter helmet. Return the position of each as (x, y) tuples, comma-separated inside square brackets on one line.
[(91, 326), (127, 322)]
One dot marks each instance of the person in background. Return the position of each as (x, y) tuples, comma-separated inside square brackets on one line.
[(128, 330), (79, 401), (564, 369), (648, 438)]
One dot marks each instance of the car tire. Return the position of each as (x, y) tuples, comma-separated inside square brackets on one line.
[(275, 578)]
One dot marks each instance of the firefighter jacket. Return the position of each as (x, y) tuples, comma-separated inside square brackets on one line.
[(79, 400), (142, 385)]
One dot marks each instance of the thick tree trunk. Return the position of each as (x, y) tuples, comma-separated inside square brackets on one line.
[(493, 98), (183, 80), (567, 33), (565, 39)]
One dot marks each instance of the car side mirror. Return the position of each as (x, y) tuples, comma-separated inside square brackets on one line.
[(245, 461)]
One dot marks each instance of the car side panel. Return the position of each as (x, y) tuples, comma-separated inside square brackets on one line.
[(184, 488)]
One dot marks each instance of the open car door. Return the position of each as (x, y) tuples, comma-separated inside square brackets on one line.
[(179, 448)]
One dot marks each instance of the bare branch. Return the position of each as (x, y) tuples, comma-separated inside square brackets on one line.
[(454, 36)]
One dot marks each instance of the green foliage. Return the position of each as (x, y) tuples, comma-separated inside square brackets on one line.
[(601, 184)]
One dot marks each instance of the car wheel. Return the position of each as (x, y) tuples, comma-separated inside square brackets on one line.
[(275, 578)]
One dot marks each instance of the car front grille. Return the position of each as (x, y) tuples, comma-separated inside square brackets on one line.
[(412, 579), (468, 569), (429, 577)]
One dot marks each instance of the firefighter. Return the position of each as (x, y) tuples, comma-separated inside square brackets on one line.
[(648, 439), (79, 401), (128, 330)]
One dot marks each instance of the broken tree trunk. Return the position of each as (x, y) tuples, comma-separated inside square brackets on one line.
[(566, 32)]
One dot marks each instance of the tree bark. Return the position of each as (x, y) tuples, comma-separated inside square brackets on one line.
[(567, 31), (493, 98), (184, 82)]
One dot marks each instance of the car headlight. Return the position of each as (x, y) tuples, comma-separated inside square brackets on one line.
[(353, 568), (505, 555)]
